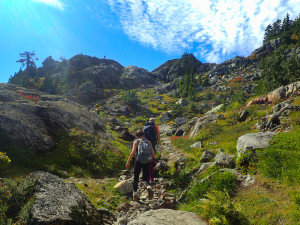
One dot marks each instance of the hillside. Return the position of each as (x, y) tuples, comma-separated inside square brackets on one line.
[(230, 140)]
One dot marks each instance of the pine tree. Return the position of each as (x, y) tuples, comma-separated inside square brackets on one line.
[(27, 58)]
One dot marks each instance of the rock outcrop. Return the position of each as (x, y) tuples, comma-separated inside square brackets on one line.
[(278, 94), (253, 141), (196, 124), (33, 118), (228, 67), (267, 48), (135, 77), (168, 217), (60, 203), (177, 67), (276, 120)]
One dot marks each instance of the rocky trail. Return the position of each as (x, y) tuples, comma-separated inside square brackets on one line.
[(162, 198), (163, 203)]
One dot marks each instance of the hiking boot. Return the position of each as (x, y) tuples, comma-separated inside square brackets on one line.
[(150, 192), (135, 196)]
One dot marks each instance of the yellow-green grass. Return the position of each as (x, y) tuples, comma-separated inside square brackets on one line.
[(295, 118), (100, 191), (269, 202), (146, 96), (224, 135), (296, 101)]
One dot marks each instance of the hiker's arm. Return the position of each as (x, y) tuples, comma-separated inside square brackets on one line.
[(153, 153), (158, 135), (135, 144)]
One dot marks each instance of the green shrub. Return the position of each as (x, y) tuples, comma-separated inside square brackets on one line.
[(82, 150), (247, 162), (181, 179), (4, 161), (281, 159), (15, 196), (208, 96), (219, 181), (56, 170), (177, 110), (220, 210), (296, 199), (183, 143), (130, 97), (192, 107)]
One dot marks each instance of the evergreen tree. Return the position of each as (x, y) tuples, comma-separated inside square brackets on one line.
[(268, 32), (27, 58), (187, 86), (27, 78), (279, 70), (286, 23)]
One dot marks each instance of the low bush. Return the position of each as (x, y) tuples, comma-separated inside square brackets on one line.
[(281, 159), (296, 199), (220, 210), (219, 181), (181, 179), (4, 161), (14, 195), (130, 97), (247, 162)]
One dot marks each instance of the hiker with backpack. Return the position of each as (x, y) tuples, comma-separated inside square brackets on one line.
[(151, 131), (145, 154)]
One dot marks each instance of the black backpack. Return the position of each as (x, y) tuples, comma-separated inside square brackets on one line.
[(150, 133), (144, 151)]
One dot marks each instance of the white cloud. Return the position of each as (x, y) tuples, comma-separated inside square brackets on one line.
[(225, 27), (54, 3)]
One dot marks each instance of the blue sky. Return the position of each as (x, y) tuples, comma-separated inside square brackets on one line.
[(135, 32)]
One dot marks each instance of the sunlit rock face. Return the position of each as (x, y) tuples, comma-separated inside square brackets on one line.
[(33, 119)]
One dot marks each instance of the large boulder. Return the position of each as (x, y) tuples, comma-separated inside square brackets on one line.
[(124, 186), (168, 217), (33, 119), (207, 156), (60, 203), (253, 141), (224, 160)]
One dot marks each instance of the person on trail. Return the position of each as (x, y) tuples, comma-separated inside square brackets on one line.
[(151, 131), (154, 138), (144, 156)]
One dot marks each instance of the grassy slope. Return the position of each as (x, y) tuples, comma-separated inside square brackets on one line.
[(269, 201)]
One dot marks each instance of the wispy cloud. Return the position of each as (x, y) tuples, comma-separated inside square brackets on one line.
[(54, 3), (215, 29)]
